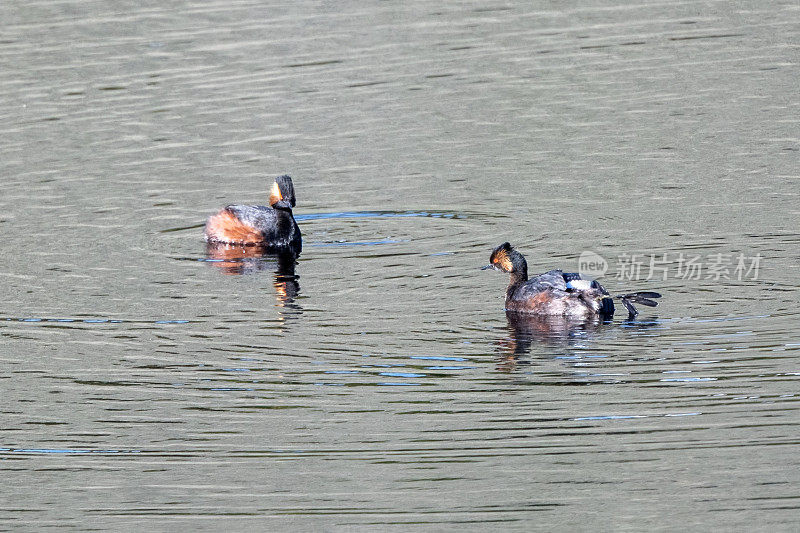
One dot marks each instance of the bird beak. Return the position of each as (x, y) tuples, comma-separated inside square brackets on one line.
[(487, 267)]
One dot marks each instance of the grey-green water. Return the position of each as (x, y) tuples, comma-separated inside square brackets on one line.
[(147, 385)]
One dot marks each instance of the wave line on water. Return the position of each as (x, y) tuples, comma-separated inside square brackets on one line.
[(356, 243), (376, 214), (51, 320), (628, 417), (69, 451)]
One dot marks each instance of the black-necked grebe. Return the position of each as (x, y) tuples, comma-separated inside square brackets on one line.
[(556, 292), (247, 225)]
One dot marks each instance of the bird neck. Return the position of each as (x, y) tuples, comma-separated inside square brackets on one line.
[(520, 272), (518, 278)]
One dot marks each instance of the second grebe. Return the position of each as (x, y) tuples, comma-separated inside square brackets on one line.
[(556, 292)]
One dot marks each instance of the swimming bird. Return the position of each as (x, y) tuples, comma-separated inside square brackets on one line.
[(556, 292), (270, 226)]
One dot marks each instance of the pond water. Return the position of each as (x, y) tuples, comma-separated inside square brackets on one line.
[(149, 383)]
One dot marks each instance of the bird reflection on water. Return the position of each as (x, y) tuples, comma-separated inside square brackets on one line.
[(237, 260), (558, 333), (555, 330)]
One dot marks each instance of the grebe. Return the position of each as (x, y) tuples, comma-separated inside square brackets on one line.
[(248, 225), (556, 292)]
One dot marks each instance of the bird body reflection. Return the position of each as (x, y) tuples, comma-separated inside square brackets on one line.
[(526, 329), (558, 335), (237, 260)]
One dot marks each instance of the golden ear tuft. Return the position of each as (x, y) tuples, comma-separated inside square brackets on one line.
[(505, 262), (275, 194), (501, 257)]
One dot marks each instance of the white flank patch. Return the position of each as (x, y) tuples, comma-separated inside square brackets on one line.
[(579, 284)]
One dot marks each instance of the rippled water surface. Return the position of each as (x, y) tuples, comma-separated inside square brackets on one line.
[(149, 383)]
